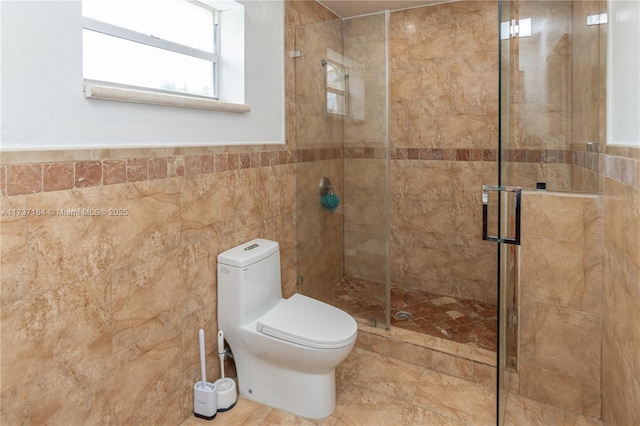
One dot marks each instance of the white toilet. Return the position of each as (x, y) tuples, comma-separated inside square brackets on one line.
[(285, 350)]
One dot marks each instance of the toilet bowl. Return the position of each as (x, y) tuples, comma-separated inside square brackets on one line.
[(285, 350)]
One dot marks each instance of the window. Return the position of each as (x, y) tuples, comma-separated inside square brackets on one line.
[(336, 86), (163, 45)]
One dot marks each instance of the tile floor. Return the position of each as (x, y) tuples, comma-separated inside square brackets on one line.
[(377, 389), (459, 320), (373, 389)]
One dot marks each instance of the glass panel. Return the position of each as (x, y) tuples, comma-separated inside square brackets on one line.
[(552, 112), (174, 20), (107, 58), (319, 138), (366, 230), (554, 96), (341, 133)]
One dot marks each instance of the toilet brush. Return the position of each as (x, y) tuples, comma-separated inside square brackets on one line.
[(226, 387), (203, 363), (205, 395)]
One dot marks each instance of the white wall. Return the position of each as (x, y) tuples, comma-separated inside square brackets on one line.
[(43, 105), (623, 73)]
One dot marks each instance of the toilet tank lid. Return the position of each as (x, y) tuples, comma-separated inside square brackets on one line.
[(248, 253)]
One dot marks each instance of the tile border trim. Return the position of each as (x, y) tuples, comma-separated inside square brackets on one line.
[(30, 178)]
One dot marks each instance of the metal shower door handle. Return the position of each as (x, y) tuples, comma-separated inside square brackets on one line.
[(485, 214)]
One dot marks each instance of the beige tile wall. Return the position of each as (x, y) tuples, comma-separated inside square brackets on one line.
[(588, 83), (557, 103), (80, 295), (540, 102), (100, 313), (444, 98), (561, 301), (462, 132), (297, 12), (313, 30), (443, 122), (621, 301), (365, 131)]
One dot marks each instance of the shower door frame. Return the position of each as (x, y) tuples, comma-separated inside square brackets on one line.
[(505, 52)]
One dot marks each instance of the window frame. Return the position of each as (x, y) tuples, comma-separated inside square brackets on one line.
[(112, 30), (330, 89)]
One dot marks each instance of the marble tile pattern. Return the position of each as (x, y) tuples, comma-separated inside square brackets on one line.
[(297, 13), (540, 79), (443, 61), (365, 200), (79, 310), (438, 115), (378, 389), (557, 102), (365, 133), (104, 286), (621, 293), (436, 228), (319, 232), (374, 389), (561, 301), (318, 135), (443, 103), (526, 412), (464, 321), (588, 99)]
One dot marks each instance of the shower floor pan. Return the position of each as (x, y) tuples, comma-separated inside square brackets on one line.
[(459, 320)]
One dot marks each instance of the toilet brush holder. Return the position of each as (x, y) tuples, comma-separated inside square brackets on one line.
[(227, 395), (205, 400)]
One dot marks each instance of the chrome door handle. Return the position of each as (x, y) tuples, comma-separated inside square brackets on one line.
[(485, 214)]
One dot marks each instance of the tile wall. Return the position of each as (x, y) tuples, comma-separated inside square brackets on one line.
[(540, 102), (579, 296), (319, 136), (365, 141), (621, 292), (588, 83), (443, 132), (99, 313), (560, 301), (109, 270), (111, 304), (557, 103), (444, 118)]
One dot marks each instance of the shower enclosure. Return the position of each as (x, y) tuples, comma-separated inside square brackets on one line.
[(409, 114), (405, 128)]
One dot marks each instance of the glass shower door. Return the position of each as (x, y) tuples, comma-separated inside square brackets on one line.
[(319, 145), (342, 135)]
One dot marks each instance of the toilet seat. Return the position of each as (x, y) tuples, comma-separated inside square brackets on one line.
[(308, 322)]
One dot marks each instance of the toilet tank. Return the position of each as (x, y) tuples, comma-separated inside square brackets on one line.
[(248, 282)]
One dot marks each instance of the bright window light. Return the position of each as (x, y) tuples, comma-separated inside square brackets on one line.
[(168, 45), (336, 84)]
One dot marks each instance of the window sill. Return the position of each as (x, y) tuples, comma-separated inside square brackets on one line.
[(114, 93)]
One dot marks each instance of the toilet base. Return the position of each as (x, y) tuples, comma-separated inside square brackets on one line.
[(304, 394)]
